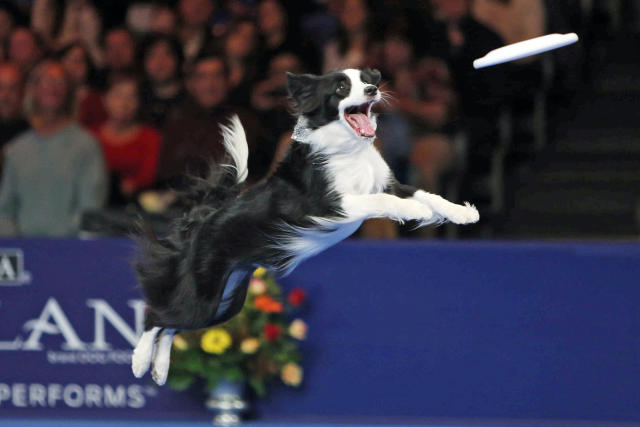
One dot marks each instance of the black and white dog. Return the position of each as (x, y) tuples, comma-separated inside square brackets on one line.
[(332, 179)]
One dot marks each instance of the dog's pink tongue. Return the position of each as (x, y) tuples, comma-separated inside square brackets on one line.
[(361, 124)]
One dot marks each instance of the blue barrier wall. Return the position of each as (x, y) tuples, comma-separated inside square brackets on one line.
[(408, 330)]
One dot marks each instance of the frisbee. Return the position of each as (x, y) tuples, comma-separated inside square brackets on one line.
[(525, 48)]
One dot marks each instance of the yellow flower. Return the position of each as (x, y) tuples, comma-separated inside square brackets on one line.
[(291, 374), (249, 345), (257, 286), (298, 329), (180, 343), (215, 340), (260, 272)]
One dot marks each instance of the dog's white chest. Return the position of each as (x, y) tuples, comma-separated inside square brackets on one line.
[(362, 172)]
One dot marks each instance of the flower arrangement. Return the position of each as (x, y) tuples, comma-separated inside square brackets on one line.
[(257, 345)]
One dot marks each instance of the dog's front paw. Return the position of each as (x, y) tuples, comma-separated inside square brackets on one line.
[(467, 214), (417, 211)]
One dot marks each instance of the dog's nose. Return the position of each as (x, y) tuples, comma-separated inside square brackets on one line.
[(370, 90)]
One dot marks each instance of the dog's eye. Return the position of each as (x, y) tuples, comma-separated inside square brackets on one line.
[(341, 88)]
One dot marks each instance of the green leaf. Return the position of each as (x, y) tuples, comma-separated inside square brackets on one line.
[(234, 374), (258, 385), (181, 381)]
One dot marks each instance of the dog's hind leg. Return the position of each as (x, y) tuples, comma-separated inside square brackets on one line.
[(162, 358), (143, 353)]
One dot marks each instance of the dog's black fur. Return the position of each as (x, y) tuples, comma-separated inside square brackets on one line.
[(331, 180)]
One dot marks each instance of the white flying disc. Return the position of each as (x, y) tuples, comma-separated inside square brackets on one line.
[(526, 48)]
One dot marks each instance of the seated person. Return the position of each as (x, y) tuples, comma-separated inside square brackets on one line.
[(191, 135), (54, 171), (240, 49), (11, 121), (90, 110), (130, 148), (24, 48), (162, 89), (270, 99)]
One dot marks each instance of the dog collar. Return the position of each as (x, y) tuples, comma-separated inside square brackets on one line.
[(302, 131)]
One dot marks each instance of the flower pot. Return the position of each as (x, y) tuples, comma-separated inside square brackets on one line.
[(228, 400)]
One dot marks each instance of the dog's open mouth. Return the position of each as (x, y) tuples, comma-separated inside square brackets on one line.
[(358, 117)]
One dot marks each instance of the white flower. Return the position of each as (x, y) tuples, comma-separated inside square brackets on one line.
[(249, 345), (180, 343), (298, 329), (291, 374), (257, 286)]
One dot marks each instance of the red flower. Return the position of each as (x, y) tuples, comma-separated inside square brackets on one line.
[(271, 331), (297, 296)]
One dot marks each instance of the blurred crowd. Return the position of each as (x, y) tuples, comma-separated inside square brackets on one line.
[(110, 104)]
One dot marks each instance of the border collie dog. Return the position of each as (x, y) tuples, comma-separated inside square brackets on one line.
[(331, 180)]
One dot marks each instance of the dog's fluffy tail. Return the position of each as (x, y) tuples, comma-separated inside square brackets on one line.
[(235, 142), (224, 180)]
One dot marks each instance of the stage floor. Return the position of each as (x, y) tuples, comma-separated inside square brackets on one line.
[(448, 423)]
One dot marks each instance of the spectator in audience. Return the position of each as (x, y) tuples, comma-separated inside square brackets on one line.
[(82, 24), (77, 22), (162, 89), (457, 37), (425, 100), (240, 49), (191, 135), (8, 14), (130, 148), (25, 48), (53, 171), (194, 31), (351, 47), (515, 20), (43, 19), (279, 36), (90, 110), (163, 20), (11, 119), (139, 16), (394, 61), (270, 99), (119, 50)]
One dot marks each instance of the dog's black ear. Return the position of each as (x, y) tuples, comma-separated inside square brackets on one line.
[(371, 76), (303, 88)]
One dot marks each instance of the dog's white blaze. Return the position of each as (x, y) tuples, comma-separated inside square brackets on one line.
[(356, 95), (235, 142)]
